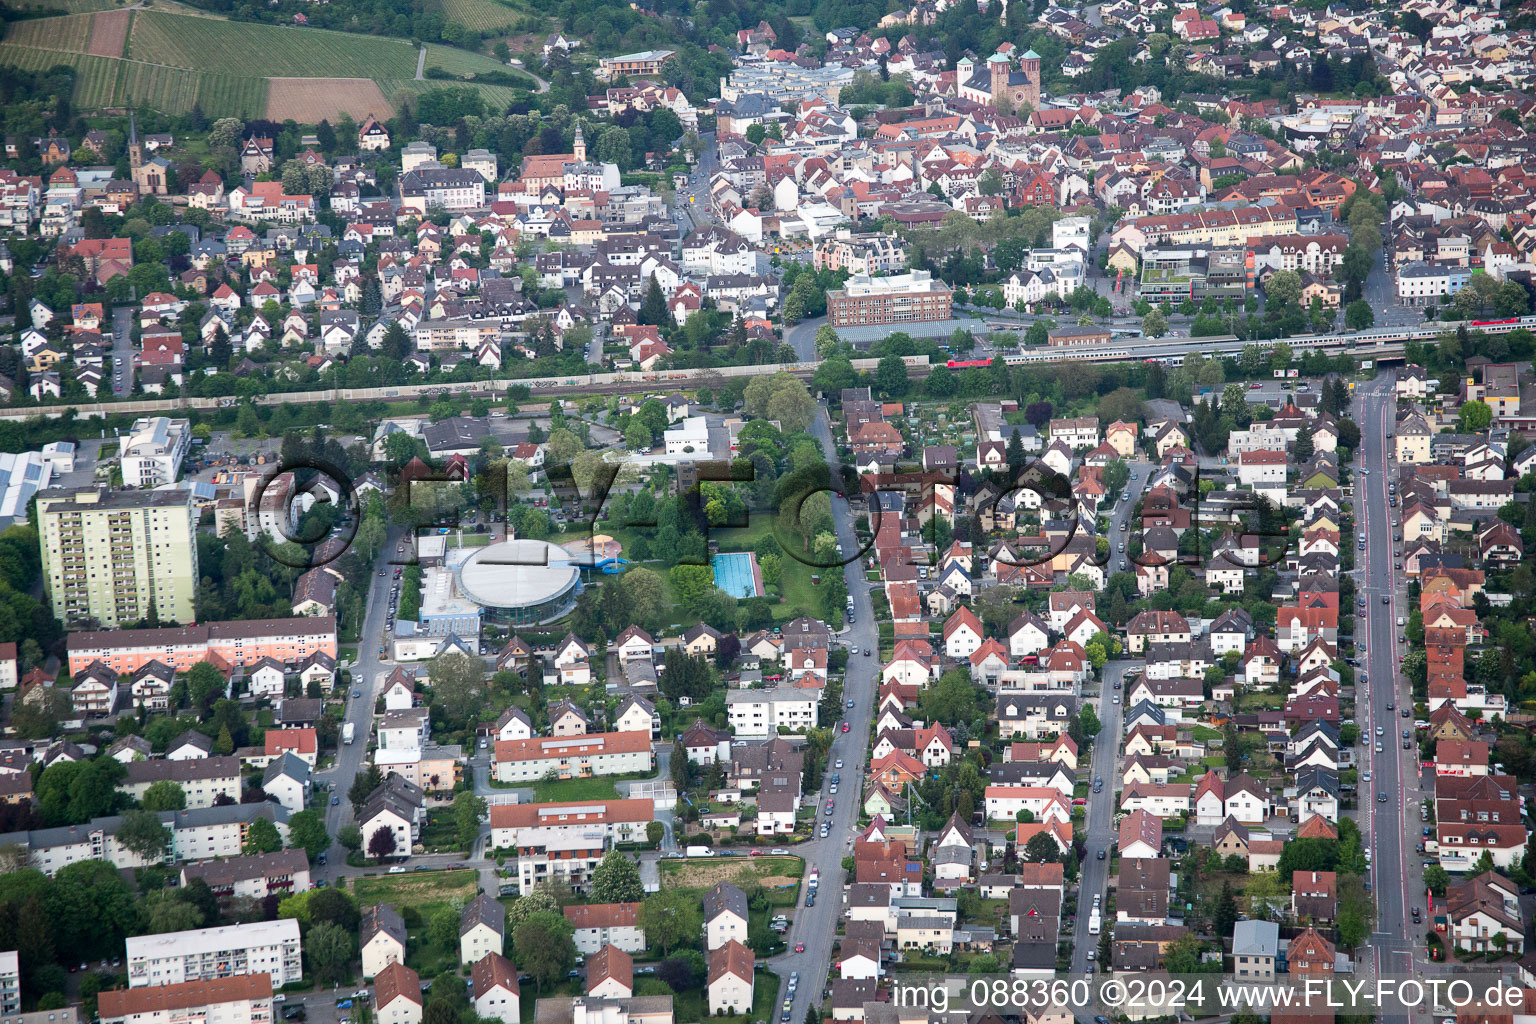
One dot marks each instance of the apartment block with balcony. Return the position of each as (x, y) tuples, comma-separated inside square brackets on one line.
[(111, 557), (203, 954)]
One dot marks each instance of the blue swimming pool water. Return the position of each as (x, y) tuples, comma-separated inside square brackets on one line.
[(736, 574)]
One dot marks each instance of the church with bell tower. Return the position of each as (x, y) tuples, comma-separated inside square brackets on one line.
[(151, 175)]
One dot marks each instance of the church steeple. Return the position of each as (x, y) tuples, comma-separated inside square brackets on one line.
[(580, 147), (135, 149)]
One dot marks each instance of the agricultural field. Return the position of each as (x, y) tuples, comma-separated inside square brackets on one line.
[(497, 97), (68, 6), (70, 33), (461, 62), (171, 61), (203, 44), (112, 82), (175, 90), (480, 15), (309, 99), (109, 33)]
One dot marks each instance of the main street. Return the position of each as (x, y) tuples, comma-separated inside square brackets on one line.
[(367, 675), (1394, 771), (1099, 825), (816, 926)]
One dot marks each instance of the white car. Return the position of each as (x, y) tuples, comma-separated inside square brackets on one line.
[(839, 763)]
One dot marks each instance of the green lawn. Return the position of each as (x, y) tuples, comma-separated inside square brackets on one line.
[(427, 891), (694, 1004), (599, 787), (1205, 733), (779, 876)]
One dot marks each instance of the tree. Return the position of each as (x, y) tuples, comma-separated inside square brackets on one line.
[(1088, 721), (616, 879), (468, 809), (261, 836), (143, 833), (940, 382), (544, 948), (165, 911), (534, 901), (891, 376), (1305, 447), (164, 795), (1359, 315), (955, 698), (443, 929), (670, 918), (330, 950), (306, 831), (1154, 324), (783, 397), (1225, 915), (653, 309), (1042, 848), (1475, 416), (458, 684), (1284, 288), (382, 843), (1436, 879)]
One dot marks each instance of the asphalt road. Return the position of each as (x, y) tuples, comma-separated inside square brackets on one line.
[(1394, 771), (816, 926), (1100, 823), (367, 676), (122, 350)]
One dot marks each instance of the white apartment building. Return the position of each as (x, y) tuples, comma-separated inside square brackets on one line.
[(1425, 284), (10, 982), (763, 712), (202, 954), (197, 834), (152, 451), (571, 757), (622, 821)]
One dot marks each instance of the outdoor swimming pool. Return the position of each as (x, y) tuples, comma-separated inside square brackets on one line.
[(737, 574)]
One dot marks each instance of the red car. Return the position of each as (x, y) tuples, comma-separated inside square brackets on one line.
[(756, 853), (799, 948), (845, 727)]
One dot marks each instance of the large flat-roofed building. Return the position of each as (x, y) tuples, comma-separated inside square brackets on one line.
[(902, 298), (1178, 274), (153, 449), (204, 954), (240, 999), (21, 476), (111, 557), (646, 62), (242, 642)]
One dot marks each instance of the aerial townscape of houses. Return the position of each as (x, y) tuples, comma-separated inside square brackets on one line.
[(428, 585)]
